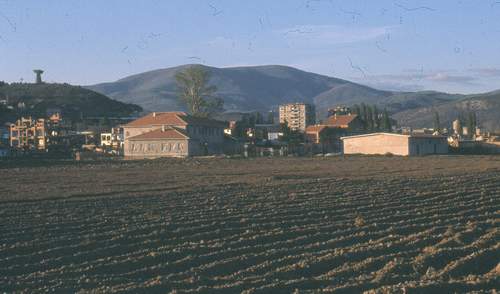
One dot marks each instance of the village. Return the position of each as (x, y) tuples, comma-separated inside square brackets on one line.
[(300, 146), (293, 130)]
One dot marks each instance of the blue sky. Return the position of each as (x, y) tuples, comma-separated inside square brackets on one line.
[(441, 45)]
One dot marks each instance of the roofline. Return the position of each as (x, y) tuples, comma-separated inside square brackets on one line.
[(391, 134), (179, 115), (151, 139), (150, 125), (134, 138), (373, 134)]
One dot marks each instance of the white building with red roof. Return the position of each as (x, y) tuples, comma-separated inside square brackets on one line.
[(173, 134)]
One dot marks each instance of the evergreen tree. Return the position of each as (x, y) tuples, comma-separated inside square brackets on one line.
[(285, 129), (437, 123), (290, 136), (362, 115), (270, 118), (259, 119), (369, 118), (240, 129), (356, 109), (471, 123), (474, 120), (386, 121), (251, 120), (376, 118)]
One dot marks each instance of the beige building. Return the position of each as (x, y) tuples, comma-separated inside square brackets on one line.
[(172, 134), (298, 115), (397, 144), (28, 134)]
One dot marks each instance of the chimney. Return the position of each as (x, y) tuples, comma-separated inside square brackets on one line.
[(163, 128), (154, 114)]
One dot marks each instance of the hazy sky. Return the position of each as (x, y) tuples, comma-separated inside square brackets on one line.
[(401, 45)]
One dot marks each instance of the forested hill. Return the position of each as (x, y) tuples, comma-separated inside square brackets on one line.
[(73, 101)]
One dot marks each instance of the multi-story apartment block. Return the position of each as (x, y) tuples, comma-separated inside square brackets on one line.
[(297, 115)]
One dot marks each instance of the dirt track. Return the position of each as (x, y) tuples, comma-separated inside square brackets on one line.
[(219, 225)]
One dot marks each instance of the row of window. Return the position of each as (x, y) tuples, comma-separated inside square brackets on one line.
[(39, 133), (157, 147)]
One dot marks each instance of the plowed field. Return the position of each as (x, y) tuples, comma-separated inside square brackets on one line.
[(344, 225)]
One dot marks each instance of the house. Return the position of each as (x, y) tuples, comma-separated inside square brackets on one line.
[(106, 139), (348, 122), (229, 130), (274, 134), (173, 134), (270, 132), (324, 138), (397, 144), (316, 133)]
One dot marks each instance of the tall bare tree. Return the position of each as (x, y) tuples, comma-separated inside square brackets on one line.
[(194, 91)]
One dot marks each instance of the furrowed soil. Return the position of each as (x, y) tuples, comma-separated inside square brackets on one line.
[(338, 224)]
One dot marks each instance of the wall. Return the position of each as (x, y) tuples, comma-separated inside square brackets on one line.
[(377, 144), (129, 132), (206, 140), (424, 146), (156, 148)]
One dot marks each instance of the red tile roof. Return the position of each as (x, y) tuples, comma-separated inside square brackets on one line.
[(162, 134), (342, 121), (315, 129), (158, 118), (172, 119)]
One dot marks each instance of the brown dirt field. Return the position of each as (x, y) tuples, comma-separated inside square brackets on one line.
[(338, 224)]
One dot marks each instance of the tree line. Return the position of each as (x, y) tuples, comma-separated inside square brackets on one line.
[(372, 118), (466, 118)]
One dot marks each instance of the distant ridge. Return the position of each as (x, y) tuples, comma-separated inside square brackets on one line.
[(263, 88)]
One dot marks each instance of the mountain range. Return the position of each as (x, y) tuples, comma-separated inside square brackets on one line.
[(263, 88)]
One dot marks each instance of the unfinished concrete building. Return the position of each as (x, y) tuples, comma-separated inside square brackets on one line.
[(28, 134)]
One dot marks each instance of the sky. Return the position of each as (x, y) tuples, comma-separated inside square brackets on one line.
[(451, 46)]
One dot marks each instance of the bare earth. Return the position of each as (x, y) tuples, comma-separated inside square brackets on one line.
[(347, 225)]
